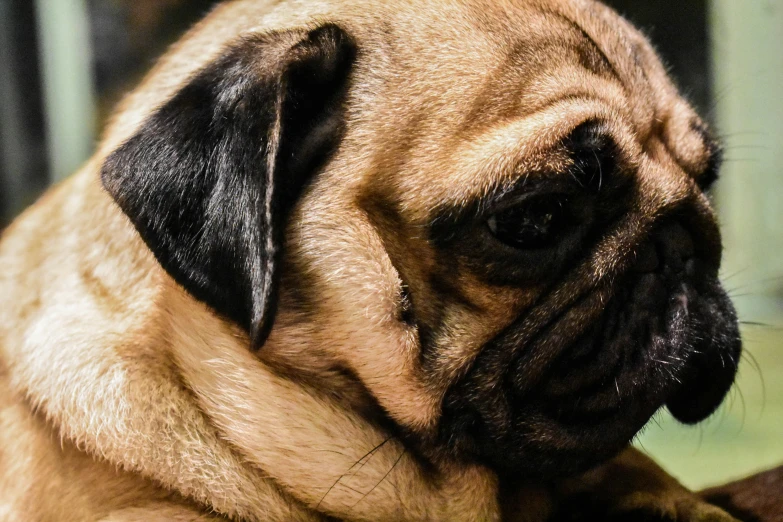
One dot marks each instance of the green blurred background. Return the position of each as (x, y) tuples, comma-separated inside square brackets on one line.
[(65, 63)]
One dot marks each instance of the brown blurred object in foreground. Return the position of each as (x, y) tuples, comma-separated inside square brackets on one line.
[(758, 498)]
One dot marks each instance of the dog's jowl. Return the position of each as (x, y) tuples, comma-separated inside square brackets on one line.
[(382, 261)]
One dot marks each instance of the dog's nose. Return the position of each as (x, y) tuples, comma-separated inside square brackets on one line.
[(669, 249)]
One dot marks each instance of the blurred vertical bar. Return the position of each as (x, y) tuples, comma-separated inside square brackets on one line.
[(66, 69), (11, 130), (747, 58)]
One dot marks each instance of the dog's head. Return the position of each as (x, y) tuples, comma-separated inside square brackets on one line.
[(481, 224)]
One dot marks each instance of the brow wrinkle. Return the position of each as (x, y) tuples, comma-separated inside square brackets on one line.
[(609, 66)]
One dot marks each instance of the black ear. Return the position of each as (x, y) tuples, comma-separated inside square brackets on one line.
[(210, 177)]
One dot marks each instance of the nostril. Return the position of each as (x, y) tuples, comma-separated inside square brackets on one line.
[(690, 267), (676, 245), (646, 259)]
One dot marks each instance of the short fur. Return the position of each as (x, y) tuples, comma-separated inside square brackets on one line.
[(271, 293)]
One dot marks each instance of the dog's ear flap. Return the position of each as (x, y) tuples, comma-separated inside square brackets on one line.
[(210, 177)]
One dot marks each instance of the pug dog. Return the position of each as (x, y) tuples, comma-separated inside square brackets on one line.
[(371, 260)]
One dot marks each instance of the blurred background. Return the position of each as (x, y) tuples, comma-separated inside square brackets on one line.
[(65, 63)]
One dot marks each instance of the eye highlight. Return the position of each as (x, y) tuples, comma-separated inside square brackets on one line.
[(534, 223)]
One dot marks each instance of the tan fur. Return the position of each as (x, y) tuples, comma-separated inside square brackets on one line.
[(126, 399)]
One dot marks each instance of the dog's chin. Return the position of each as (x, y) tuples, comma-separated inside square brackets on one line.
[(656, 343)]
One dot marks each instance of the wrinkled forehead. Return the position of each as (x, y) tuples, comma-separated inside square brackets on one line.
[(562, 49), (531, 73), (651, 94)]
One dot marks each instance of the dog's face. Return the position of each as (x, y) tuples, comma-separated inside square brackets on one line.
[(480, 224)]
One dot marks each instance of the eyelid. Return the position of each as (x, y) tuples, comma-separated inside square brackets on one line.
[(447, 221), (521, 195), (595, 138)]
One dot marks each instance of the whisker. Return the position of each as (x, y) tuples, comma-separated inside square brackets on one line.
[(754, 323), (734, 274), (351, 489), (746, 147), (746, 294), (740, 160), (748, 356), (701, 438), (366, 458), (382, 478), (744, 408), (600, 170), (765, 326)]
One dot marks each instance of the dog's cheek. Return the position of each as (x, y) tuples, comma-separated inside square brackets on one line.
[(441, 294), (361, 297), (341, 299)]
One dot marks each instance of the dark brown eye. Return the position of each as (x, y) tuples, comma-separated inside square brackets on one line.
[(532, 224)]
